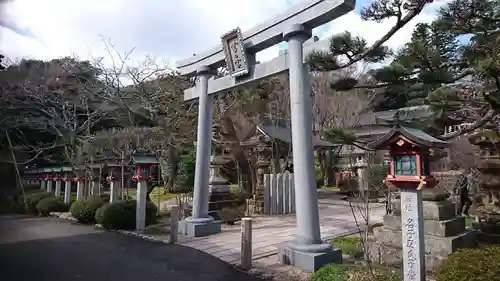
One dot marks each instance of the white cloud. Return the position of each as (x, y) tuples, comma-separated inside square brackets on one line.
[(167, 29)]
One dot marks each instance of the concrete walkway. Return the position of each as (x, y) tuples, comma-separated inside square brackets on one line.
[(46, 249), (269, 233)]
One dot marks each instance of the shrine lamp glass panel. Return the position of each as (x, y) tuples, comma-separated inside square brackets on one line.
[(405, 165)]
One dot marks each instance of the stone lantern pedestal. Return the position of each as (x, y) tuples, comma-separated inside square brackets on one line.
[(444, 233), (219, 193)]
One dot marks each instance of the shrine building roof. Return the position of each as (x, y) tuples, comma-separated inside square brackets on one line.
[(284, 134), (417, 137)]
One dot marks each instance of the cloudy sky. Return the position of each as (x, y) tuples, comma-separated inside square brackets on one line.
[(166, 29)]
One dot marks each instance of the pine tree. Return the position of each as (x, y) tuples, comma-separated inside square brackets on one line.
[(451, 64)]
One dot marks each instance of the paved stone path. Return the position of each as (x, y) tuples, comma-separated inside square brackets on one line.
[(269, 233), (46, 249)]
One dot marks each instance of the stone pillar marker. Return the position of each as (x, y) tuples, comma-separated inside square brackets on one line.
[(79, 189), (200, 223), (174, 224), (58, 181), (140, 215), (79, 179), (246, 243), (142, 175), (49, 185), (114, 187), (41, 177), (67, 189), (412, 222)]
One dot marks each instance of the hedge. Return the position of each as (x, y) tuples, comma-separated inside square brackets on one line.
[(51, 204)]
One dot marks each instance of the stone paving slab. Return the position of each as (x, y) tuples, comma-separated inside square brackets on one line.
[(268, 233)]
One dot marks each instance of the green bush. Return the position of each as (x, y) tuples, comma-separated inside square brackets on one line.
[(100, 212), (185, 178), (350, 245), (33, 199), (90, 206), (51, 204), (340, 272), (76, 208), (331, 272), (232, 214), (10, 205), (121, 215), (482, 264)]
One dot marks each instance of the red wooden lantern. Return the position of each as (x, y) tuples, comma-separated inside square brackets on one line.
[(57, 174), (79, 174), (409, 157), (48, 174), (143, 167), (67, 170), (113, 168)]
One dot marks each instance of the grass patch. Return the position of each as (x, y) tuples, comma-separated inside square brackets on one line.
[(468, 221), (350, 245), (344, 272), (333, 188), (160, 194), (157, 229)]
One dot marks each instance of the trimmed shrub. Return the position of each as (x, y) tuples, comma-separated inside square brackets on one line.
[(90, 206), (121, 215), (230, 215), (76, 208), (51, 204), (99, 213), (33, 199), (482, 264)]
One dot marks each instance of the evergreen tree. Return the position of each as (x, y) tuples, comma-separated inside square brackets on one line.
[(460, 81)]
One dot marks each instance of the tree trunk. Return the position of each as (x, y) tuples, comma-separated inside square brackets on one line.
[(169, 166), (245, 171)]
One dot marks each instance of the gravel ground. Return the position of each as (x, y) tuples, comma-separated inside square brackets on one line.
[(46, 249)]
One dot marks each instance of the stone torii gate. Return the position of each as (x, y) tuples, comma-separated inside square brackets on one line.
[(238, 51)]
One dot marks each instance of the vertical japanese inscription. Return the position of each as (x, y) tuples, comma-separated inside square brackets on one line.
[(235, 53), (411, 236)]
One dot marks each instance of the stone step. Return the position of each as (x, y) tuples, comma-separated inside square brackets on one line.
[(444, 228), (434, 245)]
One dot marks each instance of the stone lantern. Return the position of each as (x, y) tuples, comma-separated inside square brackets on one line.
[(79, 178), (67, 179), (58, 179), (423, 211), (48, 178), (41, 178), (488, 209), (113, 168), (143, 173)]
